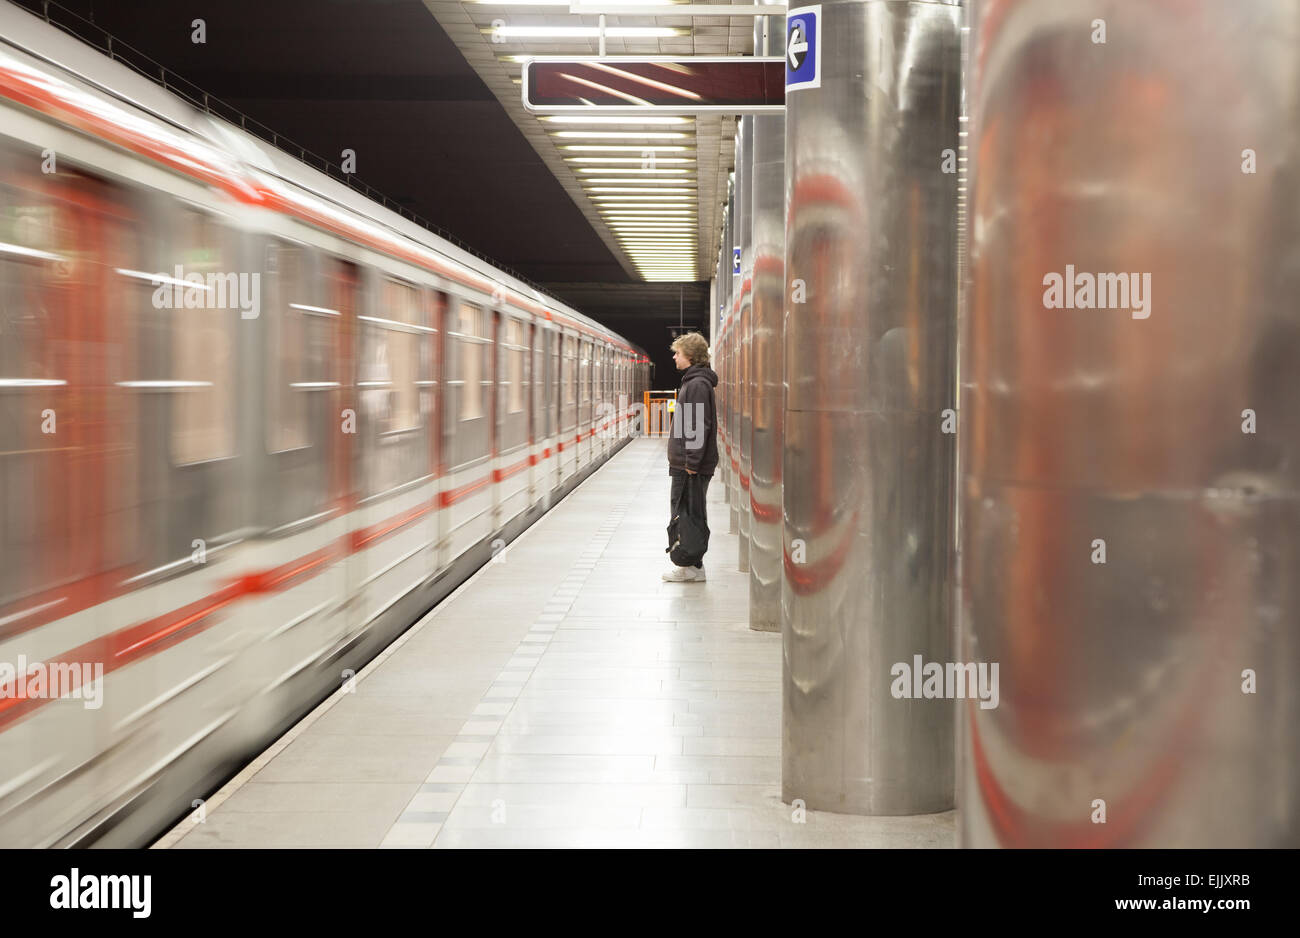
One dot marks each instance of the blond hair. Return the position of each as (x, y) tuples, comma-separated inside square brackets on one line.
[(693, 346)]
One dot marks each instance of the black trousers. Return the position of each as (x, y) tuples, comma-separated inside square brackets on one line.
[(677, 496)]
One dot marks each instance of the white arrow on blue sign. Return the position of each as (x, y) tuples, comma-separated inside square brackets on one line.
[(803, 51)]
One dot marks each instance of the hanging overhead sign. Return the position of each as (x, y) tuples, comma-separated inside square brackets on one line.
[(803, 50), (630, 85)]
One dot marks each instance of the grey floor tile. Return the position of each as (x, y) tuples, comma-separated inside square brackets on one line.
[(322, 797), (323, 758), (289, 829)]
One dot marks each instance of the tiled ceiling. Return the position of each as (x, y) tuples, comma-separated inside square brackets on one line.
[(601, 163)]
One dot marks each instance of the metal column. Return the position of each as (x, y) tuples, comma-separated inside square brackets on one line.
[(744, 325), (1131, 438), (767, 316), (717, 349), (733, 365), (870, 369)]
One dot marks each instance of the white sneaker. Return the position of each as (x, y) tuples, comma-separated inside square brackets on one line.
[(699, 573), (678, 574)]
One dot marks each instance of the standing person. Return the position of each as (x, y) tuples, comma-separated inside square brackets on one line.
[(692, 457)]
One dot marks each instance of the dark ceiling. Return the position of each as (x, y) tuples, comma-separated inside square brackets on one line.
[(380, 77)]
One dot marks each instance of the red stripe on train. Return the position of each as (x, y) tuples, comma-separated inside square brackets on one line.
[(452, 496), (508, 471)]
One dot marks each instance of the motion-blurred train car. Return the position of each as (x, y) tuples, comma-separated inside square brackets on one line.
[(252, 426)]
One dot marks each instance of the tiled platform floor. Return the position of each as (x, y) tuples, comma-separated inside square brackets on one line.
[(566, 697)]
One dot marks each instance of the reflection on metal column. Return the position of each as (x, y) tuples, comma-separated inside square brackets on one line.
[(767, 316), (1149, 183), (733, 417), (870, 368), (744, 331), (717, 350)]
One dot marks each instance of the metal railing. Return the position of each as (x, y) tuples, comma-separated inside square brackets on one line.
[(659, 407)]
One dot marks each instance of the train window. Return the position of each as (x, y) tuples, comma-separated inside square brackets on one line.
[(471, 362), (202, 327), (301, 341), (584, 372), (34, 322), (568, 367), (65, 353), (401, 303), (27, 272), (515, 365), (390, 360)]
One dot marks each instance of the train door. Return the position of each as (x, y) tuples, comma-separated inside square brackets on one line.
[(534, 335), (343, 290), (299, 365), (68, 523), (494, 417), (437, 445)]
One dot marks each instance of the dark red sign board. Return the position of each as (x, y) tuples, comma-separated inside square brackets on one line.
[(631, 85)]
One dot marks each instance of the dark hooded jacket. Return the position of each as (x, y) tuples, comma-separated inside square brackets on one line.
[(693, 439)]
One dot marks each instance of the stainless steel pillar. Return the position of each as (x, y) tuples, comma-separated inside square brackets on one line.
[(1131, 497), (733, 367), (719, 357), (870, 368), (713, 312), (744, 325), (767, 316)]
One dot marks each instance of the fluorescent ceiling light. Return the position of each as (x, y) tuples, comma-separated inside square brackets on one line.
[(633, 169), (566, 3), (647, 181), (642, 191), (620, 134), (634, 121), (607, 148), (653, 195), (651, 213), (581, 32), (608, 160)]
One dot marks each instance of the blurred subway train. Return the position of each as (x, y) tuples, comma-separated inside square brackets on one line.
[(252, 426)]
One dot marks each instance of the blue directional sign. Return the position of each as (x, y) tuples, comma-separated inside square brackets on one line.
[(735, 260), (803, 50)]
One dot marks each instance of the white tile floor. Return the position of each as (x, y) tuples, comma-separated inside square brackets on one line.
[(567, 698)]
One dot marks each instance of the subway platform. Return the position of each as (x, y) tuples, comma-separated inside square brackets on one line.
[(565, 696)]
